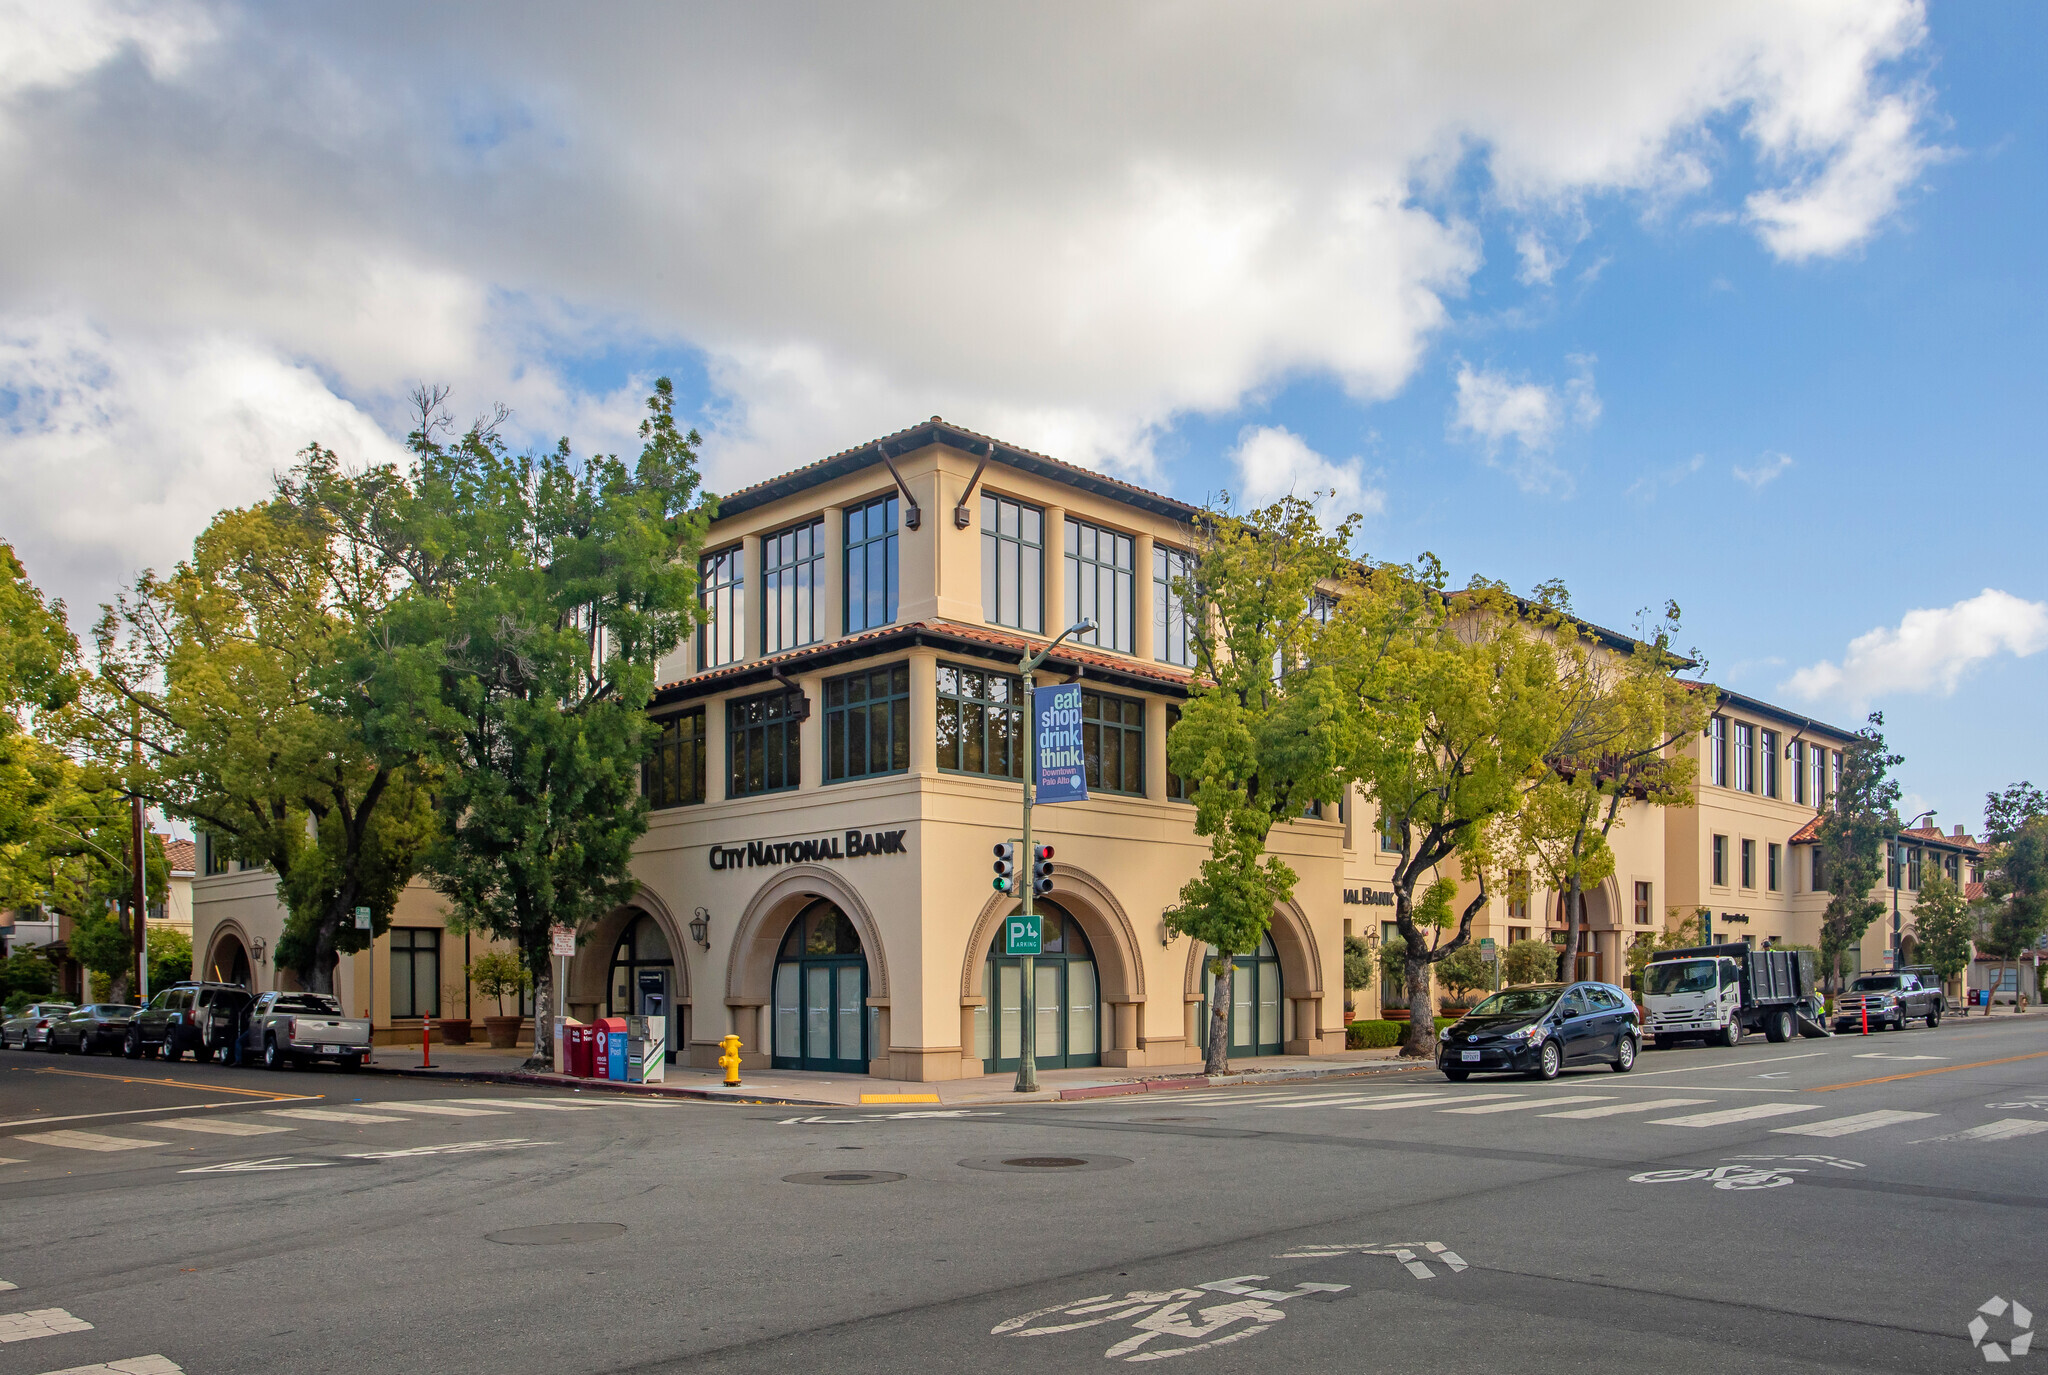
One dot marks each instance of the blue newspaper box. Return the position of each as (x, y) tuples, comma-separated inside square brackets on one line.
[(610, 1059)]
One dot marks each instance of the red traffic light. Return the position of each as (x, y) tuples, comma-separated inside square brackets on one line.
[(1043, 852)]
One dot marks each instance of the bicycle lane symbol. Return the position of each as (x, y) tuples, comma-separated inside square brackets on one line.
[(1162, 1314), (1748, 1174)]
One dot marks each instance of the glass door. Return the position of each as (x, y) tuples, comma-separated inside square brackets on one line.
[(820, 1003), (1066, 1007), (1256, 1026)]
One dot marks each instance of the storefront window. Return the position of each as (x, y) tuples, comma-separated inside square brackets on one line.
[(1113, 742), (867, 723), (871, 565), (415, 971), (1099, 584), (981, 722), (762, 744), (673, 775)]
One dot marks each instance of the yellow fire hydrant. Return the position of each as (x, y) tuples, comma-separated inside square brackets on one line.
[(730, 1060)]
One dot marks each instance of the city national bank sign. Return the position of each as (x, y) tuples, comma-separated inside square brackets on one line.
[(756, 854)]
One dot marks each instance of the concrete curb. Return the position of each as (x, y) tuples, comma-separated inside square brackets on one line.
[(1385, 1069), (564, 1081)]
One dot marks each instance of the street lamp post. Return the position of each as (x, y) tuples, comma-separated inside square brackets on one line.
[(1027, 1033), (1899, 877)]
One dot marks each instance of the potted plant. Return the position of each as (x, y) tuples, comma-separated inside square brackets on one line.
[(452, 1031), (1357, 972), (1393, 972), (495, 974), (1461, 972)]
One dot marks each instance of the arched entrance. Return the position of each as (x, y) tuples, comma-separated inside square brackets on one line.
[(228, 962), (1067, 1003), (1256, 1024), (820, 1019), (643, 976)]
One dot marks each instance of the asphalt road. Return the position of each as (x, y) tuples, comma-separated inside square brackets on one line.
[(1842, 1205)]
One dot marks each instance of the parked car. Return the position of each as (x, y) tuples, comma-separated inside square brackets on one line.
[(1891, 1000), (199, 1017), (32, 1027), (98, 1027), (1540, 1029), (288, 1030)]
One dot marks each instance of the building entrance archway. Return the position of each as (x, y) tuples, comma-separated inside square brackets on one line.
[(820, 1015), (1256, 1023), (228, 961), (643, 975), (1067, 1001)]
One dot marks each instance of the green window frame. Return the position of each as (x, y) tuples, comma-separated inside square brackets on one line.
[(1113, 743), (1173, 640), (415, 971), (792, 577), (1012, 564), (1099, 583), (981, 722), (673, 775), (723, 589), (867, 723), (763, 744), (871, 565)]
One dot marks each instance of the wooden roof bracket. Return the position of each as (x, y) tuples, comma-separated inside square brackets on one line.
[(962, 517)]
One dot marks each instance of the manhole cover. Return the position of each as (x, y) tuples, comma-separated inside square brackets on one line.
[(558, 1234), (1044, 1164), (844, 1177)]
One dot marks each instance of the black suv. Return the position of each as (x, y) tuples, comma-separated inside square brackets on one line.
[(199, 1017), (1540, 1029)]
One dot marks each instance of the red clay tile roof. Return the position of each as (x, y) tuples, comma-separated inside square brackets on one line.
[(1807, 834), (1810, 833), (183, 856), (1974, 892)]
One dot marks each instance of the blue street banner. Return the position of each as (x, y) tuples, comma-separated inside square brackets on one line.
[(1060, 774)]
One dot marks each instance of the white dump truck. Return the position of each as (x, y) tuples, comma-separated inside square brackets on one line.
[(1723, 992)]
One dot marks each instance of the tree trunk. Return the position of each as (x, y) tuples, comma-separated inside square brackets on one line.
[(543, 1057), (1420, 1042), (1216, 1051), (319, 976), (117, 986), (1568, 966)]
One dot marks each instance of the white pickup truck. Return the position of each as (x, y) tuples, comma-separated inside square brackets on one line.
[(289, 1030)]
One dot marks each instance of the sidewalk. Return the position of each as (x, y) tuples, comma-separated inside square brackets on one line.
[(795, 1087)]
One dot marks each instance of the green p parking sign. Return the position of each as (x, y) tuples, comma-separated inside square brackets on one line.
[(1023, 935)]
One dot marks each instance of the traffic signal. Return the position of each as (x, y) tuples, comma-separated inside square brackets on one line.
[(1006, 867), (1041, 871)]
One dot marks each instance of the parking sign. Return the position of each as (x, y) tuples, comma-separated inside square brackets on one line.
[(1023, 935)]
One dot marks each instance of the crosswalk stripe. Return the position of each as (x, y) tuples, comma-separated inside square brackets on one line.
[(8, 1160), (88, 1141), (8, 1284), (218, 1126), (537, 1104), (1849, 1126), (1419, 1101), (1326, 1100), (2002, 1130), (328, 1115), (438, 1109), (1731, 1115), (1612, 1109), (132, 1365), (39, 1322), (1534, 1103)]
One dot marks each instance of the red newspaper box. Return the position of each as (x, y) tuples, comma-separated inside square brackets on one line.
[(608, 1049), (577, 1043)]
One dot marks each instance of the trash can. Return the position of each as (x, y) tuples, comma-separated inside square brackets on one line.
[(610, 1050), (577, 1042)]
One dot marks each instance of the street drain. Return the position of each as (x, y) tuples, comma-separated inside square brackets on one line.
[(844, 1177), (558, 1234), (1040, 1164)]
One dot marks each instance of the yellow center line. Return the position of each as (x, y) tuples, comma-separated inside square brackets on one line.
[(182, 1084), (1916, 1073)]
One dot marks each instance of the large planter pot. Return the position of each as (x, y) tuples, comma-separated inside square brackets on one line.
[(452, 1031), (1393, 1014), (503, 1031), (1450, 1011)]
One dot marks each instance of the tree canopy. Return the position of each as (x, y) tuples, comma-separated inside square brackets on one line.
[(1860, 821)]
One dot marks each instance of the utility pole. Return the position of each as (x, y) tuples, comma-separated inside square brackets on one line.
[(138, 875)]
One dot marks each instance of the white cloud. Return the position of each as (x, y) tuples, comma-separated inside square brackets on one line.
[(1646, 488), (1138, 213), (1930, 650), (1517, 422), (1768, 468), (1273, 462)]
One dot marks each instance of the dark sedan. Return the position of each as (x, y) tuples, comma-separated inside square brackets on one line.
[(1541, 1029), (98, 1027)]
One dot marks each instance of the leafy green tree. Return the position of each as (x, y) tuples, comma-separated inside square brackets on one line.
[(26, 972), (1393, 963), (1264, 727), (2016, 878), (1528, 962), (546, 590), (170, 956), (1861, 820), (1943, 925), (1357, 967), (1463, 972), (497, 973), (38, 678)]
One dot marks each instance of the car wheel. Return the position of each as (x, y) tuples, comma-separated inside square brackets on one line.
[(85, 1044), (131, 1044), (273, 1058), (1549, 1061), (172, 1051), (1625, 1055), (1933, 1018)]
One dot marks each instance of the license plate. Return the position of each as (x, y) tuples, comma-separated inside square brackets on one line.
[(330, 1050), (1469, 1055)]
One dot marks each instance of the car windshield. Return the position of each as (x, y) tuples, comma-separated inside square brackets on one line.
[(1883, 983), (307, 1002), (1517, 1002), (1679, 976)]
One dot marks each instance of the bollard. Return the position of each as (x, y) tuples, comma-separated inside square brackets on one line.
[(426, 1041), (1866, 1016), (730, 1060)]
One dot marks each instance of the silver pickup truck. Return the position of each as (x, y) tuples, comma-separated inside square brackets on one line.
[(1890, 1000), (290, 1030)]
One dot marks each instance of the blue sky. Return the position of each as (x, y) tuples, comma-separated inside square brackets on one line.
[(1735, 306)]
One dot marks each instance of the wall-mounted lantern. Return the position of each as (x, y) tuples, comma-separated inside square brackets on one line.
[(700, 928)]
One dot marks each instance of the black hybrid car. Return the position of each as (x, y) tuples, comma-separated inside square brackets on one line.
[(1541, 1029)]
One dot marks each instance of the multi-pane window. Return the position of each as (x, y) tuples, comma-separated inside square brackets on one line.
[(1954, 865), (1113, 742), (762, 749), (1745, 757), (1012, 563), (720, 639), (1819, 875), (415, 971), (871, 564), (1913, 853), (1769, 760), (792, 575), (981, 722), (1099, 583), (1720, 861), (1518, 897), (867, 723), (1777, 863), (1799, 771), (1172, 630), (1835, 773), (1178, 789), (1749, 864), (673, 775), (216, 855), (1643, 905), (1717, 750)]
